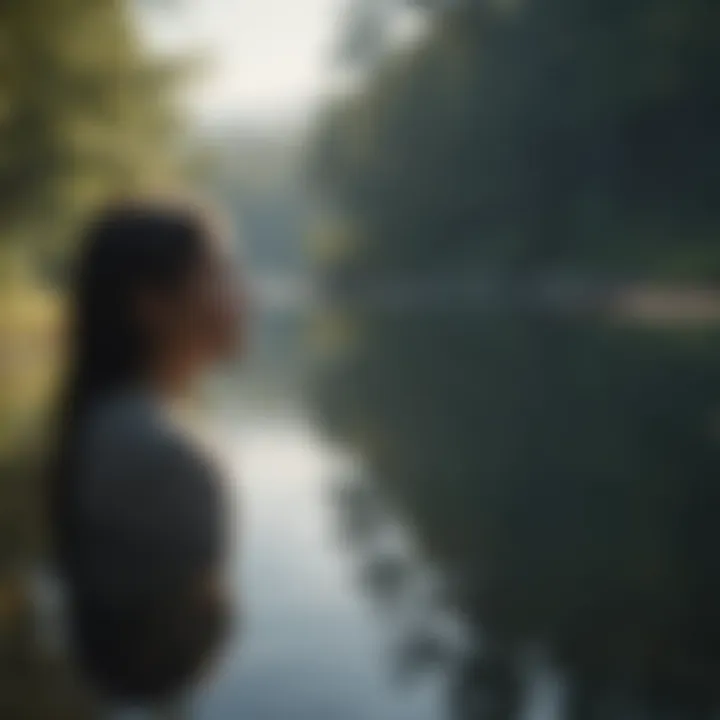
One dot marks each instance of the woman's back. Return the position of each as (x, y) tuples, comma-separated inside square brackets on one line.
[(147, 544), (146, 503)]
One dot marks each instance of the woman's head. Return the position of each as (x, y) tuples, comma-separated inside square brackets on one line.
[(154, 297), (154, 303)]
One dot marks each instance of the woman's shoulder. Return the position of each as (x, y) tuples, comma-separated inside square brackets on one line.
[(129, 439), (123, 424), (119, 412)]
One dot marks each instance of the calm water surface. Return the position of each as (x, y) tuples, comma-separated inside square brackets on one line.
[(313, 646)]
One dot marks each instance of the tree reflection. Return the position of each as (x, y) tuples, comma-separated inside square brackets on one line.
[(560, 476)]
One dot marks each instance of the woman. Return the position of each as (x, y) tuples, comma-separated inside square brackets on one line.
[(136, 504)]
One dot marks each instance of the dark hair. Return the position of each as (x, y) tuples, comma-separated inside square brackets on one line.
[(127, 248)]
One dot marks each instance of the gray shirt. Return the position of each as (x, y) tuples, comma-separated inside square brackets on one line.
[(147, 503)]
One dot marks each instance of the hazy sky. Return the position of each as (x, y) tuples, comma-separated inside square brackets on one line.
[(268, 59)]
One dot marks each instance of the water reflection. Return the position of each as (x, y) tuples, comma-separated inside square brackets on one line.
[(560, 477), (311, 646)]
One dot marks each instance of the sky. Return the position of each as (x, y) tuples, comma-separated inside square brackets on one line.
[(267, 60)]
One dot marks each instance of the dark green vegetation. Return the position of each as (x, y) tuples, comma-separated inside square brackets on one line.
[(578, 134), (560, 468)]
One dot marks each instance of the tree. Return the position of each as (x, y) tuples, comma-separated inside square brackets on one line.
[(83, 114)]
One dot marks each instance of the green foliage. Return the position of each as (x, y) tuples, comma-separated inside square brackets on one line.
[(83, 114), (576, 133)]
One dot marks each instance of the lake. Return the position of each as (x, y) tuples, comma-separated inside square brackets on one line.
[(313, 646)]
